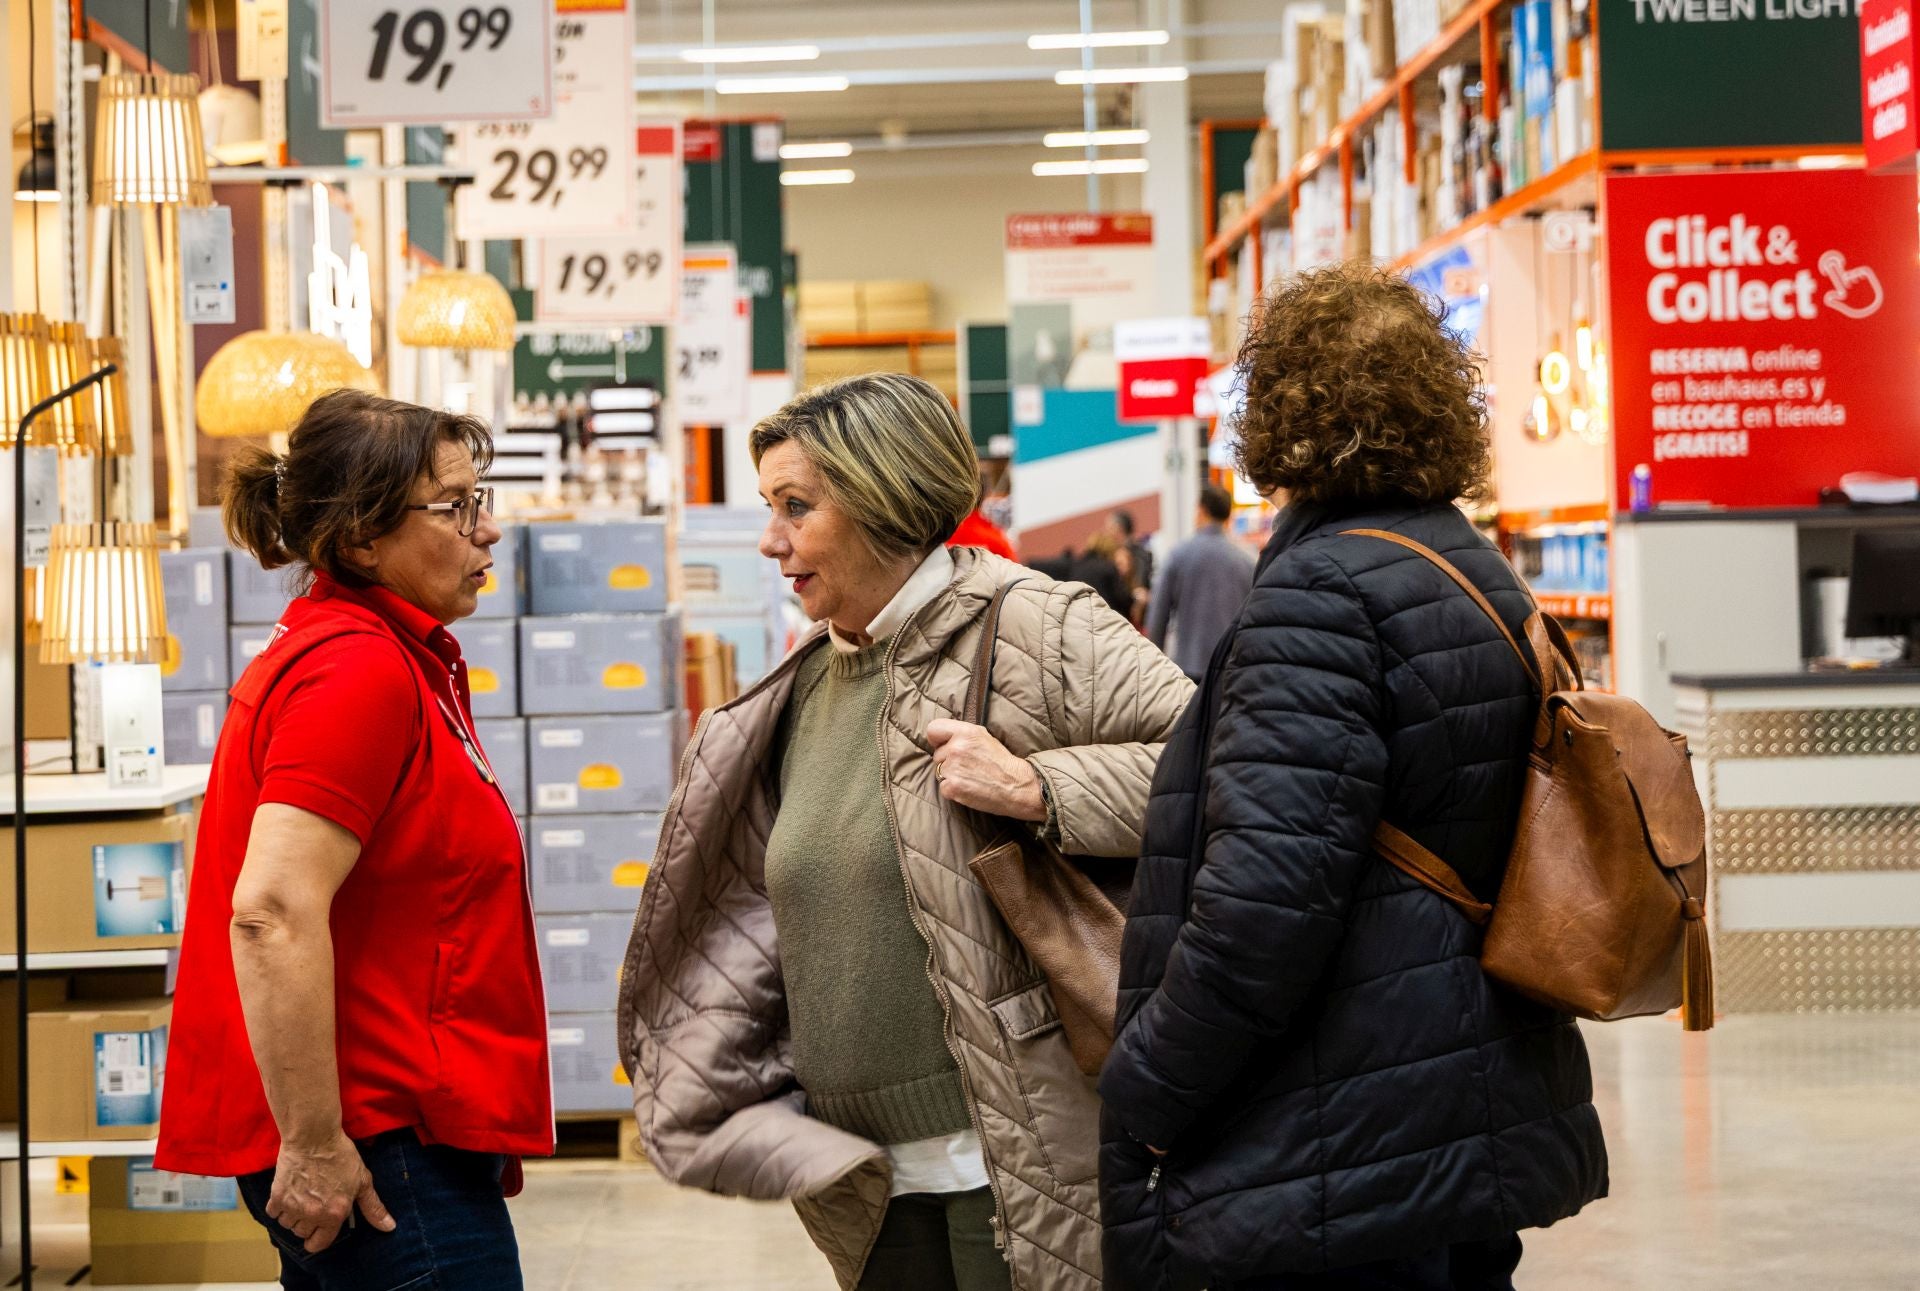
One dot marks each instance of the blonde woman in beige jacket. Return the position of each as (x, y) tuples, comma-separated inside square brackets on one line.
[(819, 1002)]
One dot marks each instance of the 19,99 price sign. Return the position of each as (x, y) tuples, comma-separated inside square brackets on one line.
[(631, 277), (573, 172), (423, 62)]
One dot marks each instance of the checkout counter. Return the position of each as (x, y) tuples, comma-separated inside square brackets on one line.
[(1811, 777)]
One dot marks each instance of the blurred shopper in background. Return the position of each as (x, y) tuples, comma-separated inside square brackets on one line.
[(820, 1002), (1202, 587), (359, 1025), (1314, 1084), (1098, 567), (977, 530)]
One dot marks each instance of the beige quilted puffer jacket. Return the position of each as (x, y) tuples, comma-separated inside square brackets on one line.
[(703, 1020)]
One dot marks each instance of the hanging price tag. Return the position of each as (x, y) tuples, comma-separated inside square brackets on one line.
[(573, 172), (712, 344), (428, 61), (624, 277)]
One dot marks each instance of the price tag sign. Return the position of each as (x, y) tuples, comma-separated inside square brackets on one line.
[(422, 62), (712, 346), (629, 277), (574, 171)]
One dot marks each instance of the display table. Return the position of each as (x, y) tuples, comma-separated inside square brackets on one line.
[(73, 795), (1812, 787)]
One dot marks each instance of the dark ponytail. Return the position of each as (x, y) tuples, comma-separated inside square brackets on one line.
[(348, 474), (251, 507)]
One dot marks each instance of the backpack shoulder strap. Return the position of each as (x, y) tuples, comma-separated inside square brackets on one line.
[(973, 711), (1428, 870), (1467, 585)]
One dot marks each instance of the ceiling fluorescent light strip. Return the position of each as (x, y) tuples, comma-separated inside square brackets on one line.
[(780, 84), (751, 54), (813, 178), (1094, 138), (1097, 40), (1105, 166), (1119, 75), (814, 151)]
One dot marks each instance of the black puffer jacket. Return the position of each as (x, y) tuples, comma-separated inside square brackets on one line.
[(1305, 1029)]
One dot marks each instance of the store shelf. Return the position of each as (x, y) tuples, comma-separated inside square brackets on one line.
[(56, 961), (1574, 184), (10, 1147), (1465, 25), (1521, 521), (69, 795), (870, 340), (1576, 605)]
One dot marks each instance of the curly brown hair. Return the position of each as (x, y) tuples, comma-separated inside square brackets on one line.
[(1357, 391)]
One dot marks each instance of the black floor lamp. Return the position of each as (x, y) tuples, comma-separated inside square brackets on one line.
[(20, 443)]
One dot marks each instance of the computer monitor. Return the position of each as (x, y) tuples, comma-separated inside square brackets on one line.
[(1883, 598)]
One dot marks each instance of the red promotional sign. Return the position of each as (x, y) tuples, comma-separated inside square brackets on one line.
[(1889, 112), (1766, 327), (1044, 232), (1163, 366)]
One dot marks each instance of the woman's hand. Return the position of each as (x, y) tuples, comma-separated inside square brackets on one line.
[(315, 1191), (975, 770)]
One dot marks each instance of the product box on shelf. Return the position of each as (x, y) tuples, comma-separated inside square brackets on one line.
[(504, 741), (596, 765), (191, 722), (600, 663), (580, 957), (618, 566), (195, 584), (587, 1075), (96, 1069), (245, 640), (750, 635), (725, 576), (491, 649), (256, 595), (104, 884), (149, 1226), (501, 596), (591, 864)]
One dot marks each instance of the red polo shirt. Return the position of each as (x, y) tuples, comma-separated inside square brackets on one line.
[(358, 711)]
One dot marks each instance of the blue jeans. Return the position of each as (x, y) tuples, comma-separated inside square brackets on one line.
[(451, 1228)]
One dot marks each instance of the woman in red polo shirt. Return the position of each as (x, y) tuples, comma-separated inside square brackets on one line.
[(359, 1034)]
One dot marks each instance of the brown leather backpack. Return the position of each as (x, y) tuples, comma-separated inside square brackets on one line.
[(1602, 912)]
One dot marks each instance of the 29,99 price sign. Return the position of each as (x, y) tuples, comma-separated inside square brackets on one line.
[(423, 62), (573, 172), (630, 277)]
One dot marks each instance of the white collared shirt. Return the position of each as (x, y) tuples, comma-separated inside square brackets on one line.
[(946, 1162)]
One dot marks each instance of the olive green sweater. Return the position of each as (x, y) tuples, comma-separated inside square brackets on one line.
[(869, 1035)]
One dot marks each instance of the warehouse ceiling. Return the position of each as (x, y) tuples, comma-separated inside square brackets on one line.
[(926, 71)]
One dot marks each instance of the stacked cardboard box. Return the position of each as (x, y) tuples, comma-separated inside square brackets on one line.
[(731, 591), (104, 883), (147, 1226), (197, 669), (96, 1068), (876, 306), (602, 694)]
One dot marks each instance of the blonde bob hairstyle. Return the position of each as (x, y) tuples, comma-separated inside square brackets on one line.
[(891, 453)]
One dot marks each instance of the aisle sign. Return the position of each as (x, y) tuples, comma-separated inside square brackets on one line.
[(1889, 110), (712, 343), (1727, 73), (631, 277), (422, 62), (572, 172), (556, 363), (1163, 366), (1763, 332)]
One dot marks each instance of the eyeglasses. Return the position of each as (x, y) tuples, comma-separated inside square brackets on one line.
[(467, 510)]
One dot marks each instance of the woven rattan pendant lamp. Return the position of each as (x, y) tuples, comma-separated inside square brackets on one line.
[(456, 309), (148, 149), (24, 373), (260, 383), (103, 597)]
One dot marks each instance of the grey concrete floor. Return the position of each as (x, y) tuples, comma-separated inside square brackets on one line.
[(1776, 1152)]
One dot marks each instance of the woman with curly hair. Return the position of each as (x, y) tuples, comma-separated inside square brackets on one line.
[(1314, 1085)]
